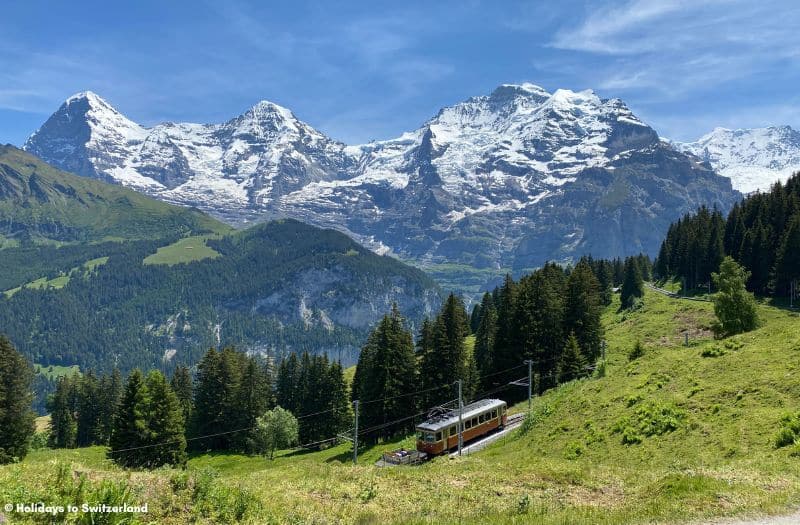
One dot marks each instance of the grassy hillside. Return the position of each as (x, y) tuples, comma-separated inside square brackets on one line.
[(699, 423), (43, 204)]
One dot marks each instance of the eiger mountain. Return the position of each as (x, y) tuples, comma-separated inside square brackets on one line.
[(507, 180), (753, 159)]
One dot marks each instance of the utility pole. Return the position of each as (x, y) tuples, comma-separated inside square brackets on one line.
[(460, 419), (355, 433), (530, 381)]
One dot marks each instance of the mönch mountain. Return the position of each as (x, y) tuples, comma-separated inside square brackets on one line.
[(507, 180)]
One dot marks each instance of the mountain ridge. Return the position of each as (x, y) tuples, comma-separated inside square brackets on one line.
[(753, 158), (522, 171)]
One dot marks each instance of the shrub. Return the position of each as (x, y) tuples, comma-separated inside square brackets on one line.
[(713, 351), (636, 352), (523, 504), (573, 450), (650, 419), (789, 431)]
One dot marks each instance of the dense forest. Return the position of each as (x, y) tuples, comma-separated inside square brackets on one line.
[(128, 314), (762, 233)]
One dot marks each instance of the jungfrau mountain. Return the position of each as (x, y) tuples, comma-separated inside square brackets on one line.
[(753, 159), (507, 180)]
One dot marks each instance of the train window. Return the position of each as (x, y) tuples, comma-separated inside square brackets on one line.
[(482, 418), (474, 421), (494, 414), (468, 424), (453, 430), (438, 436)]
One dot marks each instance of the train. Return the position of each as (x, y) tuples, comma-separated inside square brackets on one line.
[(439, 433)]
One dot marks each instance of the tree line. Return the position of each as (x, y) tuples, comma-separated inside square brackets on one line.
[(762, 233), (551, 317), (240, 402)]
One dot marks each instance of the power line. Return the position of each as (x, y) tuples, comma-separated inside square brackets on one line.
[(228, 432)]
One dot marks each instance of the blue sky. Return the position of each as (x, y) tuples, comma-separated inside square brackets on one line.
[(370, 70)]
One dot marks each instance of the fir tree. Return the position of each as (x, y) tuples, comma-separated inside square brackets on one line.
[(572, 364), (484, 336), (16, 416), (181, 384), (252, 400), (385, 371), (505, 355), (787, 265), (165, 425), (130, 429), (110, 392), (63, 409), (475, 317), (89, 428), (632, 286), (582, 310)]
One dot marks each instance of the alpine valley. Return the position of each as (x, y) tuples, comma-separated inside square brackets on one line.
[(496, 183), (97, 275)]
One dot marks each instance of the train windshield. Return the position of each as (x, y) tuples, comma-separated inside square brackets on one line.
[(427, 437)]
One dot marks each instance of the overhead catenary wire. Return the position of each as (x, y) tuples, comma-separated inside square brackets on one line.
[(228, 432)]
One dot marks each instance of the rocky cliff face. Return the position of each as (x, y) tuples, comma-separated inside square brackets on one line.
[(753, 159), (511, 179)]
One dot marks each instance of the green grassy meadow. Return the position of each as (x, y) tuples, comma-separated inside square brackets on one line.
[(678, 434), (184, 250)]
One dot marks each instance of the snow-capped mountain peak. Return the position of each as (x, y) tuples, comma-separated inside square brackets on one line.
[(506, 179), (752, 158)]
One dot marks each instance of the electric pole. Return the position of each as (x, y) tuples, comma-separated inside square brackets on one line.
[(460, 419), (355, 433), (530, 381)]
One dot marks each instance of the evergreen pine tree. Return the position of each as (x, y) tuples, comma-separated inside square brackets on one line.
[(505, 355), (387, 365), (449, 332), (16, 416), (787, 264), (475, 317), (209, 410), (63, 410), (181, 384), (89, 431), (582, 310), (632, 286), (484, 337), (130, 429), (110, 392), (252, 400), (165, 425), (547, 330), (572, 364)]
